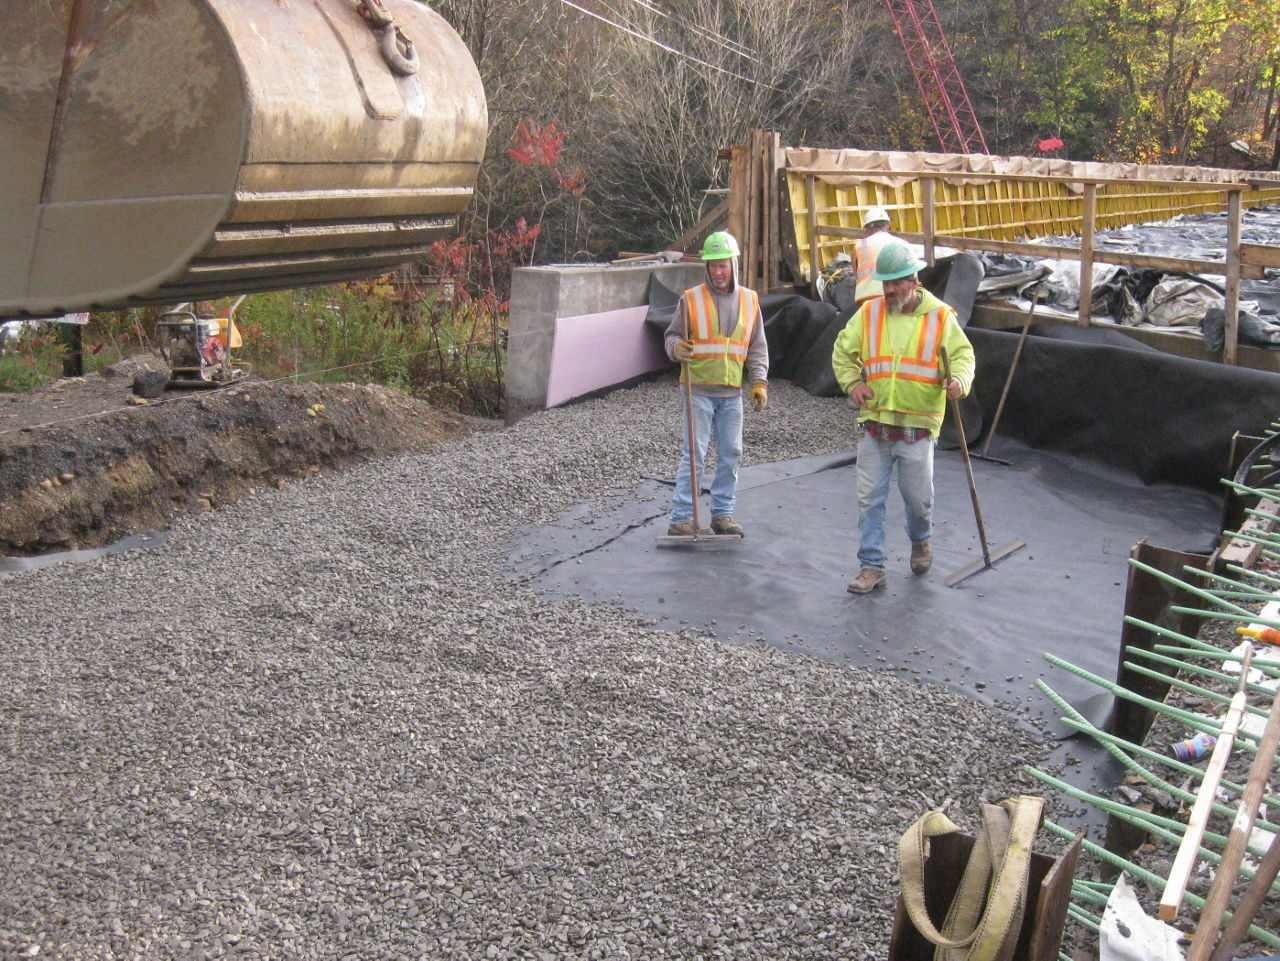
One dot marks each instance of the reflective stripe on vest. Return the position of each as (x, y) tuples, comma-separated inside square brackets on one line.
[(718, 359), (921, 364), (866, 260), (902, 382)]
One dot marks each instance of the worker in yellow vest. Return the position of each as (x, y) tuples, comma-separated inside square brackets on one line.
[(867, 249), (886, 359), (717, 332)]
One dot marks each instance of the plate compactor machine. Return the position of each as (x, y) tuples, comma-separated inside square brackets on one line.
[(196, 342)]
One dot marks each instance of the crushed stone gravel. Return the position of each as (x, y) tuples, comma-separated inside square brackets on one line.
[(327, 722)]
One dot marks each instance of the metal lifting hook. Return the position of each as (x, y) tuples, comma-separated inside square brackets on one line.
[(397, 49)]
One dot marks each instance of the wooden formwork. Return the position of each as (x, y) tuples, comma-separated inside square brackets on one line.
[(794, 209)]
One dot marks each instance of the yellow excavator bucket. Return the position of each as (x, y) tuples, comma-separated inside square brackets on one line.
[(158, 151)]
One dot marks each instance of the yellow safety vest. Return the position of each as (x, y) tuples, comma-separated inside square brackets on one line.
[(907, 383), (717, 359)]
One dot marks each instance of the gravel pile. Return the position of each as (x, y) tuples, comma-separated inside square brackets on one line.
[(328, 722)]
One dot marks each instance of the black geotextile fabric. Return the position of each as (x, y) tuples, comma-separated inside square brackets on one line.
[(1160, 418)]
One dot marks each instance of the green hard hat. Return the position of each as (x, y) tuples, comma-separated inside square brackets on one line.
[(720, 246), (895, 262)]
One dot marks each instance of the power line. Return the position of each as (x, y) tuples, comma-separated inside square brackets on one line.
[(659, 43), (733, 46)]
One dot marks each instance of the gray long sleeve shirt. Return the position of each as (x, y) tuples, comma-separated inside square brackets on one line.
[(757, 363)]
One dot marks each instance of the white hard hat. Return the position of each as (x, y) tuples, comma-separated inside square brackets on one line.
[(874, 216)]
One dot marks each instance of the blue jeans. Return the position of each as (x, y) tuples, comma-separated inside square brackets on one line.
[(876, 459), (721, 418)]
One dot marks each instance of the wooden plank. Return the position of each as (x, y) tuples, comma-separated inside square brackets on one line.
[(751, 243), (772, 244), (930, 226), (1189, 850), (1086, 253), (1054, 252), (811, 195), (1238, 550), (1184, 342), (717, 215), (1228, 870), (1260, 255), (1231, 326), (738, 192), (1171, 186)]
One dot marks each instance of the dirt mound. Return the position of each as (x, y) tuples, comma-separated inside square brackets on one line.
[(86, 461)]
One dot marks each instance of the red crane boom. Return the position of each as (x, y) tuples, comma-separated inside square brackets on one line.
[(936, 76)]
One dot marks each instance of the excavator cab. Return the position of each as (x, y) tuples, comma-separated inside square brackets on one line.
[(197, 343), (166, 151)]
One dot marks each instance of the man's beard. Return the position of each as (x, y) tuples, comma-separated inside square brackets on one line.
[(901, 305)]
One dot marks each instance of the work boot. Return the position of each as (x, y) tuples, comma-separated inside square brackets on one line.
[(868, 580), (921, 558), (681, 530), (726, 525)]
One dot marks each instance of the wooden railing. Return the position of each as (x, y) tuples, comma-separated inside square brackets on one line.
[(931, 208)]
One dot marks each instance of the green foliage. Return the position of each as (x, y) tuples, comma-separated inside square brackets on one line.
[(399, 330), (33, 360)]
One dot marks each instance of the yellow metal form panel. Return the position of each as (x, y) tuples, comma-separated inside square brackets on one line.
[(1023, 198)]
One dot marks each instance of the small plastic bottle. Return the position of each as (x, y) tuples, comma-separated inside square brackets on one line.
[(1194, 747)]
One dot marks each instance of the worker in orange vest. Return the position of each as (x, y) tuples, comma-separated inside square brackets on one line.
[(876, 222), (718, 338)]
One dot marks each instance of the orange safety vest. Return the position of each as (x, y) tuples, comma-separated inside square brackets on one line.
[(717, 359), (905, 383), (868, 249)]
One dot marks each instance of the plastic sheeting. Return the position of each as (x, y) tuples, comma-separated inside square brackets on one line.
[(1144, 296)]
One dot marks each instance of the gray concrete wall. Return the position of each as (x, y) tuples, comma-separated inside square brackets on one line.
[(588, 316)]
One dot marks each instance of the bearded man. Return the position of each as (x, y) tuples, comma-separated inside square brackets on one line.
[(887, 360)]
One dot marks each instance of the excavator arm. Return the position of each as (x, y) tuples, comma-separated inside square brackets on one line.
[(178, 150)]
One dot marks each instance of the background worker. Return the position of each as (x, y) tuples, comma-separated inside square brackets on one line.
[(716, 333), (867, 250), (886, 359)]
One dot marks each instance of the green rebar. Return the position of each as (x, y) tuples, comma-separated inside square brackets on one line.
[(1151, 823), (1263, 667), (1191, 720), (1174, 635), (1081, 916), (1167, 829), (1197, 669), (1265, 515), (1264, 539), (1265, 578), (1232, 582), (1099, 735), (1142, 874), (1259, 492), (1177, 582), (1247, 617), (1088, 894), (1097, 885), (1193, 688), (1110, 743)]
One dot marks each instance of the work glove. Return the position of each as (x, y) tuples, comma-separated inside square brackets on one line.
[(683, 351), (759, 395)]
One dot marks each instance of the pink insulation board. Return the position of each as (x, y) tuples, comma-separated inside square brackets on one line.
[(593, 351)]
